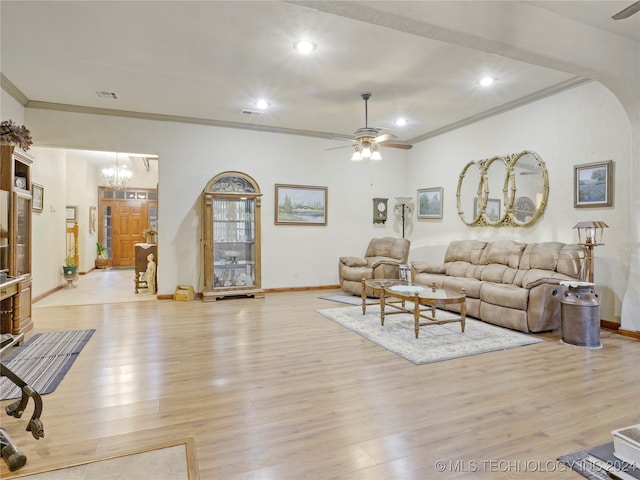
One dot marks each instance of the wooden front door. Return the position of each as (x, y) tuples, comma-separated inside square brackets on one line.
[(128, 222), (123, 215)]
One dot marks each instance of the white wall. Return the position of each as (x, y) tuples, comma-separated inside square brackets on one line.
[(583, 125), (190, 155), (48, 248)]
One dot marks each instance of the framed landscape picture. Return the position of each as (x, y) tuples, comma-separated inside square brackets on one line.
[(593, 184), (430, 202), (38, 197), (300, 205)]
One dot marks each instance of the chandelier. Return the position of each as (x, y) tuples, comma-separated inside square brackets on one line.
[(117, 175)]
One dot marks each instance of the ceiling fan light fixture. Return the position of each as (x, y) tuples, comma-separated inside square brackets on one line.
[(366, 151), (356, 157), (304, 47), (375, 155)]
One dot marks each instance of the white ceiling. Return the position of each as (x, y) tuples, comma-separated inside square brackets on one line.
[(209, 60)]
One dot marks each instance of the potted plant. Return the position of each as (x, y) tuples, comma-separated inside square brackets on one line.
[(14, 134), (150, 235), (102, 259), (70, 267)]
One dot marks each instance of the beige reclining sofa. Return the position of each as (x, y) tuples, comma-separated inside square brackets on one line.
[(381, 260), (507, 283)]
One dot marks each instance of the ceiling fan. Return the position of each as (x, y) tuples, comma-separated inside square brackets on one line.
[(627, 12), (367, 139)]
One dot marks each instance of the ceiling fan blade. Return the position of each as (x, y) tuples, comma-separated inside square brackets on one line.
[(627, 12), (384, 137), (404, 146), (343, 146)]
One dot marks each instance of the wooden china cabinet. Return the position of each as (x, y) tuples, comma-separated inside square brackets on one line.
[(15, 240), (231, 230)]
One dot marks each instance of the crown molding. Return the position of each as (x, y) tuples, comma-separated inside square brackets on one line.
[(13, 91), (34, 104), (534, 97)]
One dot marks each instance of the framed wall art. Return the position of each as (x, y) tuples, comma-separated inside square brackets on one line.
[(92, 219), (38, 197), (71, 213), (492, 210), (593, 184), (430, 202), (300, 205)]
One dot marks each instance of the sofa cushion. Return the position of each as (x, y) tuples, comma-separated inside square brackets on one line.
[(508, 296), (505, 252), (498, 273), (541, 255), (471, 285), (465, 250)]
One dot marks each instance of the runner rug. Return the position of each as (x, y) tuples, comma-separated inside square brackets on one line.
[(436, 343), (173, 461), (43, 361)]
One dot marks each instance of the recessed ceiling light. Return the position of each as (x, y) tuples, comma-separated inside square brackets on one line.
[(262, 104), (486, 81), (304, 46), (401, 122)]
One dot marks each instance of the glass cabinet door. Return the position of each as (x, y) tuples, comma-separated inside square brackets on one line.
[(234, 240), (231, 242), (23, 234), (4, 230)]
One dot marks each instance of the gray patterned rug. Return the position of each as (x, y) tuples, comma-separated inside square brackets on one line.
[(350, 299), (436, 342), (43, 361)]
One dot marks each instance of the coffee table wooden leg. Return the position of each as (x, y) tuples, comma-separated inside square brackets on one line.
[(463, 314), (416, 314), (382, 305), (364, 297)]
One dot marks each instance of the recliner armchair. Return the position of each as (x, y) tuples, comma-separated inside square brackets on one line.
[(381, 260)]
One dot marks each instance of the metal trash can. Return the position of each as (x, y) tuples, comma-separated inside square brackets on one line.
[(580, 310)]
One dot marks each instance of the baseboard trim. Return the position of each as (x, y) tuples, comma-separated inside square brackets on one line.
[(46, 294), (609, 325), (300, 289), (629, 333)]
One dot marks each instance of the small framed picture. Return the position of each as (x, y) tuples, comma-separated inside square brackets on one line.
[(37, 197), (300, 205), (92, 219), (430, 202), (71, 213), (593, 184)]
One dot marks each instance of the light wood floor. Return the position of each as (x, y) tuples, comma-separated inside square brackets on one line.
[(270, 389)]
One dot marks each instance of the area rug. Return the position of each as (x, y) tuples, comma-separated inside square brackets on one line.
[(436, 343), (176, 461), (43, 361), (578, 463), (350, 299)]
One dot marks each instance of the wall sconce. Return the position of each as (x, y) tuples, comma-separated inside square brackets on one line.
[(592, 232)]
